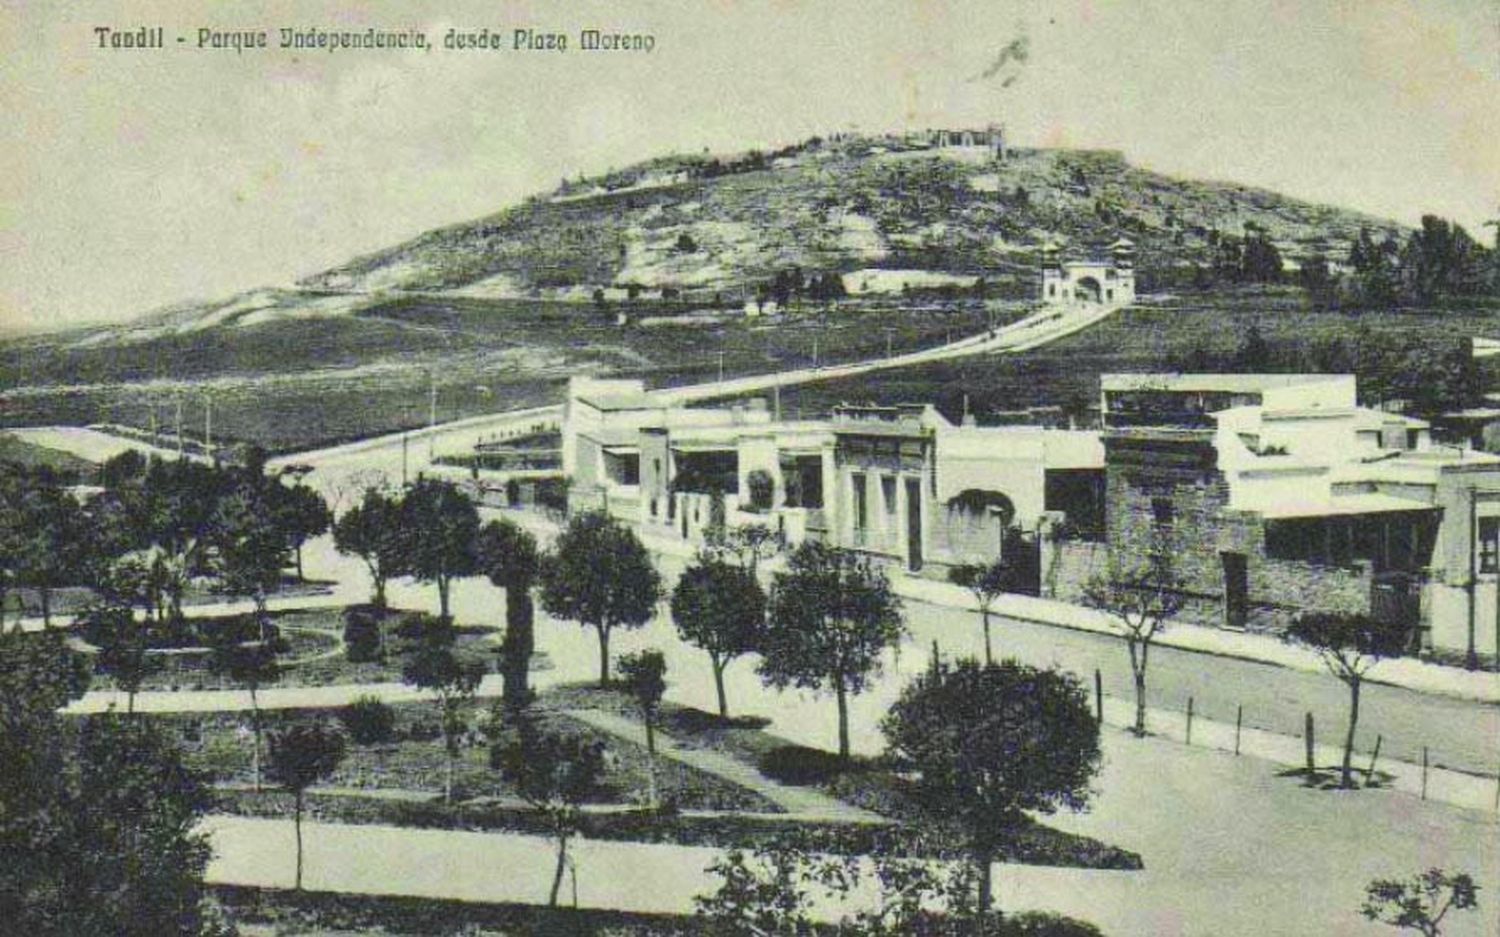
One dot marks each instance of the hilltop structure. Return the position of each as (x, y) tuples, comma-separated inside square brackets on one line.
[(1097, 280)]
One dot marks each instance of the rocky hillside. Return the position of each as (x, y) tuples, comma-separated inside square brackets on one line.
[(704, 225)]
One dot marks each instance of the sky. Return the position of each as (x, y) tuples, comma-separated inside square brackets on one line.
[(130, 180)]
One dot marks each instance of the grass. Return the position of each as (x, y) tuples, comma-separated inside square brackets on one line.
[(17, 451), (301, 384), (1143, 338), (414, 760), (864, 782)]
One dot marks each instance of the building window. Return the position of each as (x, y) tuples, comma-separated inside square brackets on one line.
[(1161, 512), (1412, 438), (1489, 544), (861, 510)]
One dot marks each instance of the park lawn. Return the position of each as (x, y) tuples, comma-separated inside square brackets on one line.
[(316, 656), (869, 783), (415, 759), (70, 600)]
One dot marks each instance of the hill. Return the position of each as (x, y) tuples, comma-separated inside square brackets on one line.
[(707, 225), (499, 311)]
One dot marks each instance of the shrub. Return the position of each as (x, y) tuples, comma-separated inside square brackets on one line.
[(368, 721), (420, 626), (802, 766), (362, 633)]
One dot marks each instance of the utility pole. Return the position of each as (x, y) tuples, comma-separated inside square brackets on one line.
[(815, 351), (721, 365), (155, 436), (208, 426), (888, 331), (431, 414), (403, 459), (179, 427)]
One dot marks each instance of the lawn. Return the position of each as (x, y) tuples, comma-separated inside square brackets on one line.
[(414, 760), (17, 451), (314, 656)]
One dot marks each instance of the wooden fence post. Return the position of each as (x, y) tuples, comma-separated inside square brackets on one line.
[(1189, 736), (1374, 757), (1239, 717), (1307, 737), (1098, 696), (1424, 772)]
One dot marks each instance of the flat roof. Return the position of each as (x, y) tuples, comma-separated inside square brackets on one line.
[(1342, 505), (1229, 383)]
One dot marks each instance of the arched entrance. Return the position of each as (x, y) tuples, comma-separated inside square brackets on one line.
[(1089, 290)]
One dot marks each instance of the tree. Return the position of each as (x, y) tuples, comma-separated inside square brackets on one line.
[(989, 743), (1142, 595), (124, 647), (435, 664), (301, 756), (99, 815), (555, 774), (439, 525), (508, 555), (776, 890), (251, 549), (721, 609), (52, 540), (644, 676), (252, 664), (1421, 902), (1349, 645), (599, 574), (987, 581), (371, 530), (302, 514), (831, 615)]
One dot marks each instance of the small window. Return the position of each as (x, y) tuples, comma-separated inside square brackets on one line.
[(1489, 544), (1161, 512), (1412, 437)]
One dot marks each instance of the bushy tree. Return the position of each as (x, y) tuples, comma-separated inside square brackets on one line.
[(438, 529), (720, 608), (1142, 595), (1349, 644), (97, 817), (1421, 902), (990, 743), (599, 574), (371, 530), (301, 756), (124, 647), (831, 615), (53, 539), (302, 514), (250, 547), (508, 555)]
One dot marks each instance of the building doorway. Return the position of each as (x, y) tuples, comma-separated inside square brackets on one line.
[(1236, 590), (914, 524)]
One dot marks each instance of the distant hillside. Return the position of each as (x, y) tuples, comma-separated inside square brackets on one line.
[(702, 225)]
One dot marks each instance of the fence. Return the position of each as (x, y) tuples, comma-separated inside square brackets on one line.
[(1429, 780)]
